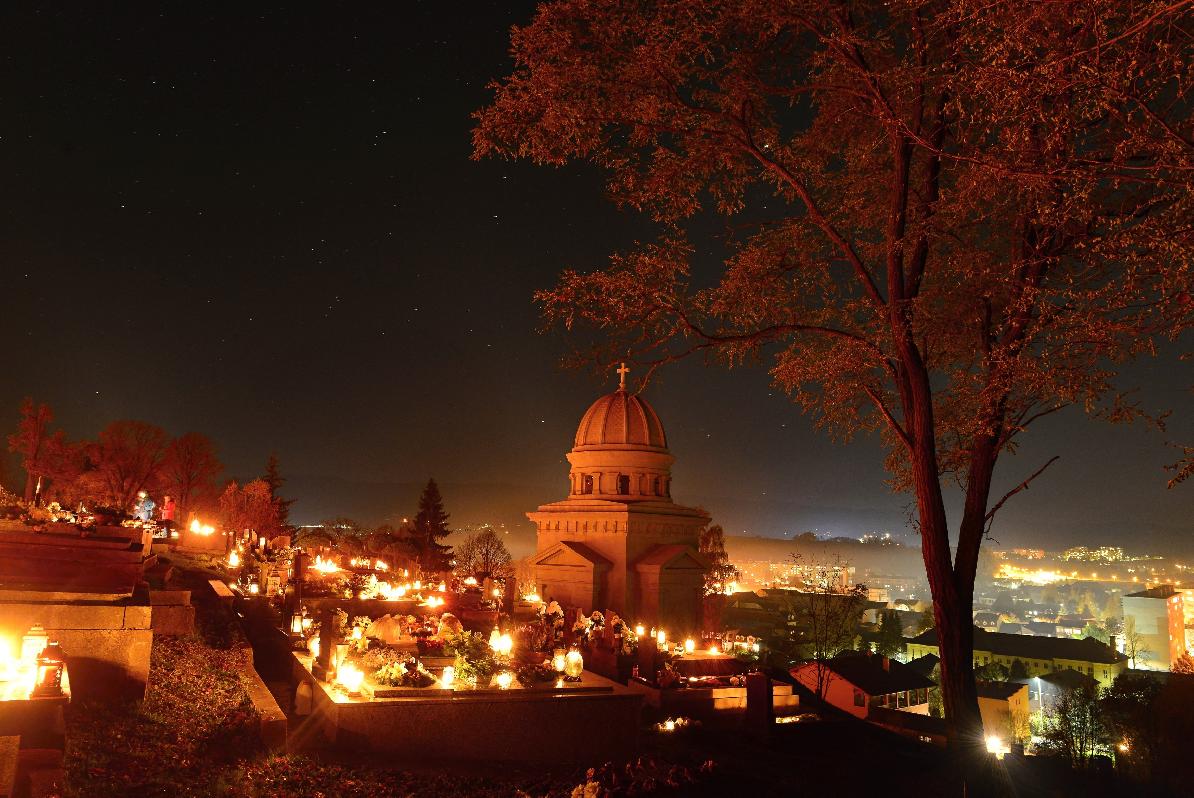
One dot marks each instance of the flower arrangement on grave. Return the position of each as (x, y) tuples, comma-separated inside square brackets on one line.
[(552, 613), (536, 672), (476, 661), (407, 672), (430, 646), (379, 656), (597, 622), (582, 628), (340, 621), (533, 638)]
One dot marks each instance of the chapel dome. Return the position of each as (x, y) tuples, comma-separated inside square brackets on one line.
[(620, 420)]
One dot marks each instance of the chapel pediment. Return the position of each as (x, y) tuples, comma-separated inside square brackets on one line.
[(570, 554), (673, 558)]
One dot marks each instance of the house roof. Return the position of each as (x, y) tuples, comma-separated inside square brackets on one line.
[(924, 665), (1086, 649), (1158, 592), (1069, 679), (876, 675), (1000, 691)]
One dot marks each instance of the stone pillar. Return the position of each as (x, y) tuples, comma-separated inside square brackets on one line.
[(760, 712), (327, 640)]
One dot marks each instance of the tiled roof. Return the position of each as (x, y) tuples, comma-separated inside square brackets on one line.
[(1001, 691), (924, 665), (1086, 649), (1158, 592), (866, 672)]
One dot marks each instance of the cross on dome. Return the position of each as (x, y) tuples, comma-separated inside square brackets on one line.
[(622, 372)]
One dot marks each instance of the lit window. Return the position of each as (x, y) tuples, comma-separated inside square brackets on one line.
[(588, 484)]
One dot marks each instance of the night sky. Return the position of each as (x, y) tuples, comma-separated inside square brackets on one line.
[(266, 227)]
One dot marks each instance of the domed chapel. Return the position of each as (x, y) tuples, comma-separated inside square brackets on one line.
[(618, 541)]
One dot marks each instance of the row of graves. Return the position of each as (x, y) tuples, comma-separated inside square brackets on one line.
[(76, 622), (388, 659)]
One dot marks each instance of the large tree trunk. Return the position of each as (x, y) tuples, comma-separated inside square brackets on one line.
[(952, 589)]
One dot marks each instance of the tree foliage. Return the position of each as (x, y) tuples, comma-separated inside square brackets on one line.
[(189, 473), (128, 458), (483, 554), (949, 219), (723, 573), (891, 634), (1073, 727), (249, 507)]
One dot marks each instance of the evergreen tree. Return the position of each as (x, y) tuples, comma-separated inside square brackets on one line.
[(722, 574), (273, 477), (431, 526), (891, 634)]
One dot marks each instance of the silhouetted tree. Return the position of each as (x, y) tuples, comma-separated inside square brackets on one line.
[(950, 220), (274, 479), (430, 527), (30, 441), (483, 554)]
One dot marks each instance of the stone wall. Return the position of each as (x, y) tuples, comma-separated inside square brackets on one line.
[(107, 645)]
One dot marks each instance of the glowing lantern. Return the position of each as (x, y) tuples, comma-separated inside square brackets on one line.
[(296, 624), (497, 592), (350, 677), (997, 747), (418, 585), (714, 650), (504, 680), (233, 559), (254, 589), (381, 566), (505, 645), (574, 664), (661, 638), (558, 661), (50, 664), (308, 623), (639, 631), (33, 642), (689, 646), (313, 647), (494, 637), (357, 633), (448, 676), (532, 598), (443, 586)]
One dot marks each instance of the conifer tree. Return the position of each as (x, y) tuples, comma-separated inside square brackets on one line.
[(431, 526), (273, 477), (891, 634)]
